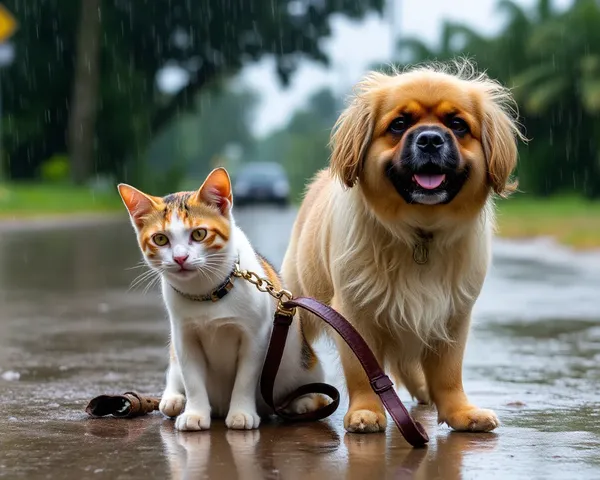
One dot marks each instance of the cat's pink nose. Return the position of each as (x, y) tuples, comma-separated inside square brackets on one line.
[(181, 259)]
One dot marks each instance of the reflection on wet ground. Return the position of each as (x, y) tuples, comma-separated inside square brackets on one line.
[(70, 329)]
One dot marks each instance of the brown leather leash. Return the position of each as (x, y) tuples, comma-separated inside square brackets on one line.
[(411, 430)]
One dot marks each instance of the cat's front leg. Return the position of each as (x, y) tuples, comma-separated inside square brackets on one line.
[(173, 397), (242, 409), (192, 363)]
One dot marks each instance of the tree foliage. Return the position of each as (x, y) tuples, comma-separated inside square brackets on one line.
[(209, 39), (187, 149), (302, 145)]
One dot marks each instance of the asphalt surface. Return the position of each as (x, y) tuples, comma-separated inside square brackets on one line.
[(71, 329)]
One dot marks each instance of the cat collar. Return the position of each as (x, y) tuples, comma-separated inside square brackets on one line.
[(214, 296)]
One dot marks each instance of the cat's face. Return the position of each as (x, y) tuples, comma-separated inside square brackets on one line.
[(183, 235)]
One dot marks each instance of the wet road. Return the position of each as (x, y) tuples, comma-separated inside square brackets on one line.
[(70, 329)]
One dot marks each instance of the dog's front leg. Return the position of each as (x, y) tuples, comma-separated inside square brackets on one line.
[(442, 364), (365, 412)]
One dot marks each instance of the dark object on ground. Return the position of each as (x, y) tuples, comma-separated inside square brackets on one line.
[(261, 182), (128, 405)]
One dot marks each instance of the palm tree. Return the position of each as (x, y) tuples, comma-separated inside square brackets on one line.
[(551, 60), (562, 84)]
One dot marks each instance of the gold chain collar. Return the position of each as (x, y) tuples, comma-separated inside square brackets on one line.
[(265, 285)]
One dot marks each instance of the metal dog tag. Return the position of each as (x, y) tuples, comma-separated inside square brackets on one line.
[(421, 253)]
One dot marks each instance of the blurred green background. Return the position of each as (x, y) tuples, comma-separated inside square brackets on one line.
[(86, 102)]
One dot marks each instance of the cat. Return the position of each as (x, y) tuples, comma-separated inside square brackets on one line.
[(220, 324)]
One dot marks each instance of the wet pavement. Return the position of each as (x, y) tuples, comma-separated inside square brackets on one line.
[(70, 330)]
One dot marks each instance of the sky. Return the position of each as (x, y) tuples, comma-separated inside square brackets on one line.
[(355, 46)]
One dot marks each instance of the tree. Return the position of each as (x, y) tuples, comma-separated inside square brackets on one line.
[(85, 91), (562, 83), (209, 39), (302, 145), (551, 60), (196, 140)]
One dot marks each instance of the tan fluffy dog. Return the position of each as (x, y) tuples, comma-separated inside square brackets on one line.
[(396, 233)]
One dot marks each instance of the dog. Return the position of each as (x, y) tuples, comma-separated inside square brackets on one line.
[(396, 233)]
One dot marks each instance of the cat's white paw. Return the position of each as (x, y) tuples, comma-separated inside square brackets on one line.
[(307, 403), (172, 404), (242, 420), (193, 420)]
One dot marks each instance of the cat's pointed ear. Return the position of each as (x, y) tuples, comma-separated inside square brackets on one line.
[(216, 190), (138, 203)]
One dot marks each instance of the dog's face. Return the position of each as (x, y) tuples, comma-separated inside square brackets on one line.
[(430, 156), (426, 138)]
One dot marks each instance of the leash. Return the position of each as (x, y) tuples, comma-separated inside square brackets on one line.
[(133, 404), (411, 430)]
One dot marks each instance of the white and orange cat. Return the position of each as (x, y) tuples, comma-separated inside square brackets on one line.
[(220, 325)]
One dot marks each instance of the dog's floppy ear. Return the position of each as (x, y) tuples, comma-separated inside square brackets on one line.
[(500, 132), (350, 140)]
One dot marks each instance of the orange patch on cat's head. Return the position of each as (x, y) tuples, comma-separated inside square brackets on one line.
[(209, 207)]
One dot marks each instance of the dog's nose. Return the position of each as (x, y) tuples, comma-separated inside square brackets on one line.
[(429, 141)]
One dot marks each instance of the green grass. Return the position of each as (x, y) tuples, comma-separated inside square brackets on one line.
[(38, 200), (572, 221)]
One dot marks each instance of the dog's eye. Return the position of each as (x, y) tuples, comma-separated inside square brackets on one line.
[(399, 125), (458, 126)]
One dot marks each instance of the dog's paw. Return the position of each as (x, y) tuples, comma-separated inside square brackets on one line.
[(307, 403), (472, 419), (242, 420), (365, 421), (172, 405), (193, 421)]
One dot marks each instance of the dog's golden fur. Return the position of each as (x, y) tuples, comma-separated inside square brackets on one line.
[(352, 243)]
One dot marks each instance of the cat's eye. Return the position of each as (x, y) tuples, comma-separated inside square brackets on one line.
[(199, 235), (160, 239)]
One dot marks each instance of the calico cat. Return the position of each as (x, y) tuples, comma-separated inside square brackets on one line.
[(220, 324)]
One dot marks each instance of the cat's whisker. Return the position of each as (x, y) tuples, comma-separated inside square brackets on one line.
[(217, 257), (209, 269), (150, 284), (147, 277), (214, 262), (140, 264), (141, 278), (214, 259), (205, 274)]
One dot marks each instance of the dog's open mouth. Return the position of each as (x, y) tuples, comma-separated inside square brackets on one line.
[(428, 186), (429, 182)]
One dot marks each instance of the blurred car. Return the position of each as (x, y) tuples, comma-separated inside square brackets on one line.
[(261, 182)]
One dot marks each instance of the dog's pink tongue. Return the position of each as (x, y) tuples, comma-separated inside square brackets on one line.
[(429, 181)]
